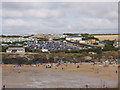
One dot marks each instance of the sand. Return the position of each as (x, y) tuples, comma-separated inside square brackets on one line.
[(56, 77)]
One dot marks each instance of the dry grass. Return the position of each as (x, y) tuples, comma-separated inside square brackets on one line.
[(107, 37)]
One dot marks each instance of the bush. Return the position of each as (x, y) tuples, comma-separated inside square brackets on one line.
[(17, 60), (59, 39), (27, 49), (42, 39), (109, 46), (88, 36), (3, 48), (97, 49)]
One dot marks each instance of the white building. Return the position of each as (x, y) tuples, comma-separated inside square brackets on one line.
[(74, 38), (44, 50), (12, 39), (15, 50), (82, 41), (57, 36)]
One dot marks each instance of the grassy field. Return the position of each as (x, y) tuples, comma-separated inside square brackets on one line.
[(107, 37)]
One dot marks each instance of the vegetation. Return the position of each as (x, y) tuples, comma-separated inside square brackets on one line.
[(42, 39), (59, 39), (56, 57), (3, 48), (88, 36), (27, 49), (26, 36), (15, 46), (98, 50), (70, 34), (20, 42), (109, 46), (15, 36), (6, 43), (105, 34), (17, 60)]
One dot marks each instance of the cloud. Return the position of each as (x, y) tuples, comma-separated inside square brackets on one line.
[(46, 13), (60, 17), (12, 13)]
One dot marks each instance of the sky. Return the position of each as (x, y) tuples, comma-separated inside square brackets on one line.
[(59, 17)]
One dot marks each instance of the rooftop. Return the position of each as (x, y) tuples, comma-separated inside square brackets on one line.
[(15, 48)]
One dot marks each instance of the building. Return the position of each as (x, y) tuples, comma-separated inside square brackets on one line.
[(82, 42), (16, 50), (74, 38), (57, 36), (44, 50), (12, 39), (92, 41)]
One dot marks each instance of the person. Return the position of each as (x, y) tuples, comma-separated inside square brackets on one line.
[(86, 86), (3, 86), (104, 86), (66, 64), (19, 71), (116, 71), (78, 66), (97, 70), (56, 68)]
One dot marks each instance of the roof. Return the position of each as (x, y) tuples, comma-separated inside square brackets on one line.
[(15, 48)]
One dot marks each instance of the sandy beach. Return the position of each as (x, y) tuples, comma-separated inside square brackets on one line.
[(63, 76)]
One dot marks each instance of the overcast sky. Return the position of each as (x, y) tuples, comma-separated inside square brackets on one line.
[(59, 17)]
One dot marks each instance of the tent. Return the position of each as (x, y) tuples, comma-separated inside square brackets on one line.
[(106, 62)]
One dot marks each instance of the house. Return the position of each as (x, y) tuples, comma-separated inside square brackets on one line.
[(74, 38), (82, 42), (57, 36), (16, 50), (44, 50)]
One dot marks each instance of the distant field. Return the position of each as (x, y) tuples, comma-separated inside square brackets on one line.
[(107, 37)]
